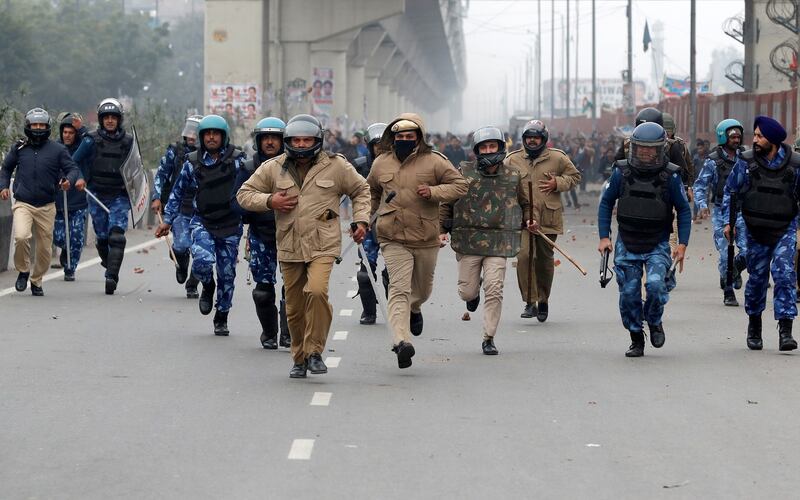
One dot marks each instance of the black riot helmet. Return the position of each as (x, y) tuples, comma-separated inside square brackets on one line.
[(535, 128), (302, 126), (648, 143), (37, 115), (648, 115), (485, 134)]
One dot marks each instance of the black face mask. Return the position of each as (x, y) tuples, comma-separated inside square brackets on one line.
[(487, 160), (403, 149)]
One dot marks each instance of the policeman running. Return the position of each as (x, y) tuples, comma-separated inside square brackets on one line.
[(169, 169), (766, 181), (646, 189), (216, 226)]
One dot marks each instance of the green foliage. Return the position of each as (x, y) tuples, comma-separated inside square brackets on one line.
[(178, 82), (158, 125)]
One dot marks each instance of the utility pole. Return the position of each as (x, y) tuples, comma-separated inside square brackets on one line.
[(692, 76), (566, 46), (552, 59), (577, 51), (631, 93), (594, 75), (539, 61)]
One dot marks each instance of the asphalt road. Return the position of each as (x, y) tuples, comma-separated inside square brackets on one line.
[(132, 396)]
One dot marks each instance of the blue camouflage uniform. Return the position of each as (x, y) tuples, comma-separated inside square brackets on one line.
[(77, 207), (169, 169), (707, 180), (629, 266), (765, 258), (207, 249), (263, 249)]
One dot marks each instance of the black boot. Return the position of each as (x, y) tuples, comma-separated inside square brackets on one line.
[(264, 299), (489, 347), (315, 364), (62, 259), (206, 302), (415, 323), (285, 339), (785, 340), (472, 305), (729, 298), (657, 336), (754, 341), (405, 352), (102, 252), (221, 324), (367, 294), (636, 350), (22, 282), (191, 286), (299, 370), (116, 251), (542, 314), (530, 310), (739, 265), (182, 266)]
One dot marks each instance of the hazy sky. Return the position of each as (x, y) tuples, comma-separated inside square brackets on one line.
[(498, 33)]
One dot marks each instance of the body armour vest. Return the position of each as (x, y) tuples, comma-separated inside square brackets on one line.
[(215, 193), (487, 220), (261, 223), (769, 204), (105, 173), (186, 207), (723, 167), (644, 209)]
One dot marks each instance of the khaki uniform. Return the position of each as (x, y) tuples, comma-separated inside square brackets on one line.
[(556, 163), (309, 237), (407, 228), (493, 268), (36, 222)]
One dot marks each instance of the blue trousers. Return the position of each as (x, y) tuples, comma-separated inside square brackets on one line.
[(718, 222), (779, 259), (181, 233), (102, 222), (263, 259), (629, 268), (77, 236), (209, 251), (371, 247)]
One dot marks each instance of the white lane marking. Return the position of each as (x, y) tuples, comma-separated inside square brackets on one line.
[(340, 335), (346, 312), (332, 361), (321, 399), (351, 293), (83, 265), (301, 449), (354, 279)]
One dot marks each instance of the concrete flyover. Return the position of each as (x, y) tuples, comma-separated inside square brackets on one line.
[(350, 61)]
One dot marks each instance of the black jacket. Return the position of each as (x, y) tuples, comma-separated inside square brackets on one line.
[(38, 171)]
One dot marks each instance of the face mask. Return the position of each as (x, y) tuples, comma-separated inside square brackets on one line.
[(403, 149)]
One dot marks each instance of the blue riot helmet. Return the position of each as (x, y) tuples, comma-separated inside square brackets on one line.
[(268, 126), (303, 126), (213, 122), (648, 143), (535, 128), (485, 134), (725, 127), (37, 115)]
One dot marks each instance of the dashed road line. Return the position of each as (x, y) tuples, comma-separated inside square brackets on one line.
[(340, 335), (301, 449), (346, 312), (321, 399), (332, 361), (351, 293)]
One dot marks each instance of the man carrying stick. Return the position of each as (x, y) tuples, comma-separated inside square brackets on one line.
[(551, 172)]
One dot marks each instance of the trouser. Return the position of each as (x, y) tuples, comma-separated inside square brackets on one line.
[(721, 243), (469, 282), (777, 258), (263, 259), (629, 268), (410, 284), (181, 233), (33, 222), (543, 268), (106, 225), (209, 251), (77, 236), (308, 311)]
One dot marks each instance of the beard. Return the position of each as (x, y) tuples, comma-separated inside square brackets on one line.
[(759, 150)]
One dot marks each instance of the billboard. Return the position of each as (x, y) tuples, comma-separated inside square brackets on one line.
[(235, 101)]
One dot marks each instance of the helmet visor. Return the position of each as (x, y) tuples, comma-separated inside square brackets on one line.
[(303, 129), (190, 129), (647, 155)]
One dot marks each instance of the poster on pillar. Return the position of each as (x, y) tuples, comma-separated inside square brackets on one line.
[(322, 92), (235, 101)]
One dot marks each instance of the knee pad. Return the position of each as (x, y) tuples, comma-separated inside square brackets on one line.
[(116, 238)]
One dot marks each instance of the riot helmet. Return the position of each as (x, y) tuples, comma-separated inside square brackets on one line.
[(268, 126), (648, 143), (110, 106), (213, 122), (668, 124), (37, 116), (374, 135), (725, 128), (648, 115), (535, 128), (66, 122), (190, 127), (486, 160), (303, 126)]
